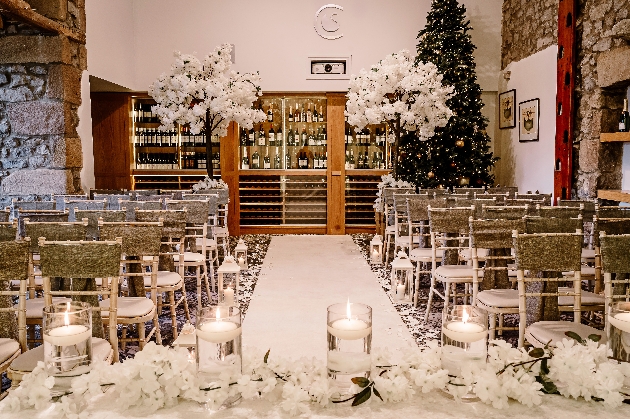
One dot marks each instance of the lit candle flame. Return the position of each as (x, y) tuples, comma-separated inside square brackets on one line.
[(66, 317), (348, 309), (465, 316), (218, 316)]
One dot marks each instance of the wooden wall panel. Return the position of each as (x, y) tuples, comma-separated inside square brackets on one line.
[(229, 174), (111, 136), (335, 126)]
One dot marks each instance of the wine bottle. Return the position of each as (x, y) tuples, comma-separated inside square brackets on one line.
[(311, 138), (291, 113), (309, 114), (324, 137), (321, 113), (255, 160), (366, 161), (298, 116), (245, 160), (352, 161), (272, 136), (287, 161), (325, 160), (315, 114), (347, 163), (290, 137), (303, 117), (276, 159), (304, 138), (251, 137), (624, 120), (316, 161), (267, 161), (279, 137), (270, 114), (302, 160), (349, 136), (243, 137), (261, 136)]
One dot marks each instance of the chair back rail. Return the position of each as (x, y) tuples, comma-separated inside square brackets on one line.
[(552, 225), (132, 206), (64, 231), (559, 211), (511, 212), (8, 231), (138, 239), (94, 215), (557, 252), (112, 199), (450, 220)]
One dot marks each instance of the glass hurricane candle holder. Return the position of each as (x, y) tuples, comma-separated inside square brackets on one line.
[(240, 254), (376, 250), (619, 334), (349, 343), (464, 338), (67, 336)]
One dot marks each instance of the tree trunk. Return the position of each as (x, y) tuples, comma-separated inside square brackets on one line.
[(395, 148), (208, 146)]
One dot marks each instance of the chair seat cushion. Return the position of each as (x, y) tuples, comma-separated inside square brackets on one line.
[(465, 254), (586, 298), (128, 307), (390, 229), (164, 279), (211, 244), (588, 254), (8, 348), (34, 306), (506, 298), (456, 273), (425, 254), (26, 362), (191, 257), (554, 331)]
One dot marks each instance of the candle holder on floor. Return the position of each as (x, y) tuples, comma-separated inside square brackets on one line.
[(67, 336), (228, 281), (240, 254), (349, 343), (464, 339), (376, 250), (401, 280)]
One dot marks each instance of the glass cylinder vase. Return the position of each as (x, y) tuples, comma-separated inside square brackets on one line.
[(349, 343), (464, 338), (67, 336), (218, 341), (619, 335)]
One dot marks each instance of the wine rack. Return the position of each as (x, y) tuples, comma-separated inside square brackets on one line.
[(360, 196), (275, 200), (367, 148), (174, 159)]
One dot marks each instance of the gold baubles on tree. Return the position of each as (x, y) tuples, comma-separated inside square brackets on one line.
[(459, 143), (430, 175)]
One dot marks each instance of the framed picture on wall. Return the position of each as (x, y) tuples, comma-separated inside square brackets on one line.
[(507, 109), (528, 118)]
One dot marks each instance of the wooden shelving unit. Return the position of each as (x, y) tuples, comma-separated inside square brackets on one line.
[(610, 137)]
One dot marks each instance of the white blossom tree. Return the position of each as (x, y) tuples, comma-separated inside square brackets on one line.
[(408, 97), (206, 95)]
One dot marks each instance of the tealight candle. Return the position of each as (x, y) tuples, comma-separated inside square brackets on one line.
[(241, 261), (67, 335), (218, 331), (349, 328), (464, 331)]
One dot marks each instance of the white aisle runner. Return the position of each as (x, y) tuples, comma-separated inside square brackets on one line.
[(300, 277)]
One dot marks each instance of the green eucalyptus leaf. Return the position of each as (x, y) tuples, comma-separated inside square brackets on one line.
[(537, 353), (574, 335), (376, 393), (362, 397), (544, 368), (548, 386), (361, 381), (266, 356), (595, 338)]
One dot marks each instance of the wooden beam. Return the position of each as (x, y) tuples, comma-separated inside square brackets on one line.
[(21, 10), (565, 99)]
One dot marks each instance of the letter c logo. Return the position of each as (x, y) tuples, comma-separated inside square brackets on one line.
[(326, 24)]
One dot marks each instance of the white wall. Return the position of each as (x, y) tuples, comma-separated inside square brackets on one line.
[(530, 165), (84, 129), (131, 42), (110, 40)]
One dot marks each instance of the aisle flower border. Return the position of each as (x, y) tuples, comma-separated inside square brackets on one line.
[(159, 376)]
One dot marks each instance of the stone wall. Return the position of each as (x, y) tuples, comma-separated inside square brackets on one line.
[(603, 75), (40, 93), (528, 26), (602, 80)]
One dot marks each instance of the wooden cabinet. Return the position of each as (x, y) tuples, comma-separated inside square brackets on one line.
[(310, 175)]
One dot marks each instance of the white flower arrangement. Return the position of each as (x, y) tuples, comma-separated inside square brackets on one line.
[(206, 94), (159, 377), (208, 183), (387, 181)]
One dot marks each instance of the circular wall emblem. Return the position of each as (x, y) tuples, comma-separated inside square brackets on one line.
[(326, 24)]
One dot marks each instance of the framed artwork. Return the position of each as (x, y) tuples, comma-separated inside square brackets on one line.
[(507, 109), (528, 118)]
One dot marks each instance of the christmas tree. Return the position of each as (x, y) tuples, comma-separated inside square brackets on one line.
[(458, 154)]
